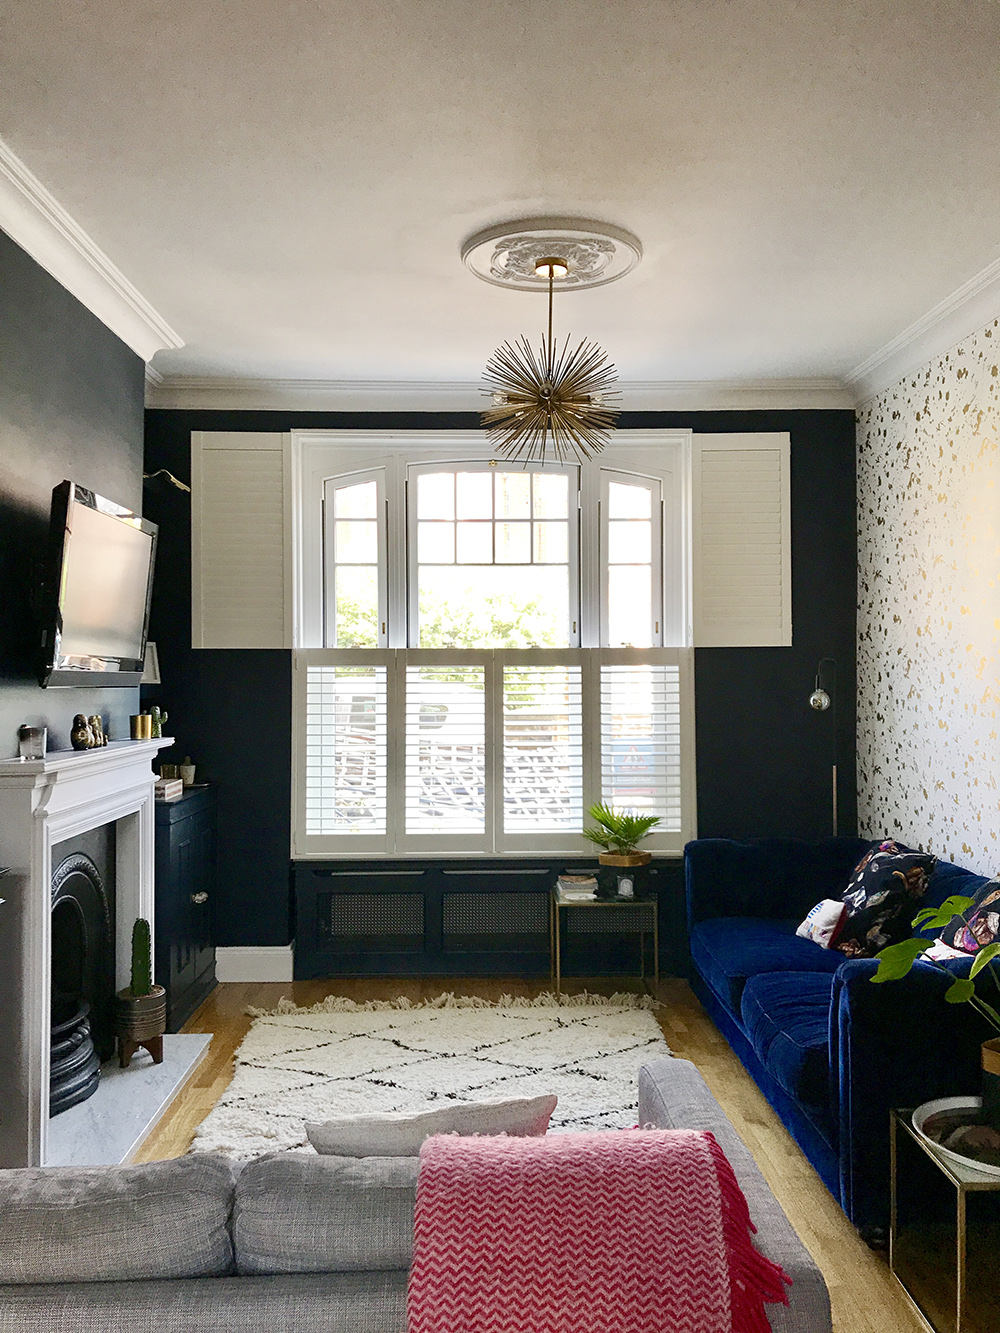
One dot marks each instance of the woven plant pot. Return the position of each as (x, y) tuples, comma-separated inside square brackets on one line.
[(139, 1018), (630, 859)]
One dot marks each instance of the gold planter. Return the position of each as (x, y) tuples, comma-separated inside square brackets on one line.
[(630, 859)]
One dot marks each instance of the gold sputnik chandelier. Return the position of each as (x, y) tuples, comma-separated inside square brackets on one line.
[(559, 401)]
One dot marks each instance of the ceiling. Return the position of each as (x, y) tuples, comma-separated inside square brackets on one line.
[(289, 184)]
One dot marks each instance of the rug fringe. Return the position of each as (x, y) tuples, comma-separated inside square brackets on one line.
[(340, 1004)]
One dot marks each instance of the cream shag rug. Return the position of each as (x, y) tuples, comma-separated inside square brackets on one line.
[(341, 1058)]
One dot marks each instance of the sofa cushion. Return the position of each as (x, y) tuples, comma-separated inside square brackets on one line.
[(301, 1213), (400, 1133), (883, 895), (116, 1223), (947, 881), (729, 949), (786, 1015)]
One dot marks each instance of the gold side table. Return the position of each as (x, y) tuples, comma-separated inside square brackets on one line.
[(944, 1233), (647, 924)]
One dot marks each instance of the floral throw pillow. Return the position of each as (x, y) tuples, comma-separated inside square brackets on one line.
[(883, 894), (980, 924)]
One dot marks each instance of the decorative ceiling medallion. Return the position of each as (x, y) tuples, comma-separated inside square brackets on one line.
[(508, 255)]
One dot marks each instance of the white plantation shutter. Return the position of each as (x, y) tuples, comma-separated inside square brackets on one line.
[(542, 749), (742, 541), (641, 740), (417, 751), (240, 541), (346, 751), (445, 724)]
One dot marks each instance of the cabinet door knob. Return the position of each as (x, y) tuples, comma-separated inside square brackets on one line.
[(199, 897)]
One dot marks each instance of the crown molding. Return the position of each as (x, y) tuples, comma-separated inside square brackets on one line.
[(40, 225), (207, 393), (969, 308)]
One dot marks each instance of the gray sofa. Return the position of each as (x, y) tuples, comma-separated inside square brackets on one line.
[(293, 1243)]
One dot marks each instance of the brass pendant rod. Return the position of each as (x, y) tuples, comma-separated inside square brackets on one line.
[(552, 269)]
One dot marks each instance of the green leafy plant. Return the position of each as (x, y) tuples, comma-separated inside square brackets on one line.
[(895, 961), (618, 831), (142, 962)]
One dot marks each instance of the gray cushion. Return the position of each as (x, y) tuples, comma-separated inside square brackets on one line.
[(304, 1303), (400, 1134), (299, 1213), (107, 1223)]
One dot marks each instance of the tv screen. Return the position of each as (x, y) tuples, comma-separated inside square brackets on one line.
[(100, 577)]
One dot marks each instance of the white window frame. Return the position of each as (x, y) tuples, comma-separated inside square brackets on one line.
[(417, 470), (330, 486), (654, 486), (316, 456), (494, 840)]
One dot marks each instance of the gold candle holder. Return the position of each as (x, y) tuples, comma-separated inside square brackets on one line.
[(141, 725)]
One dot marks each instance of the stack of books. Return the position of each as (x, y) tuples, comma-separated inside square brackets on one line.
[(168, 789), (577, 888)]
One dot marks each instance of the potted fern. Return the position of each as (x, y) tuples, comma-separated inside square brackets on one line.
[(141, 1008), (619, 832)]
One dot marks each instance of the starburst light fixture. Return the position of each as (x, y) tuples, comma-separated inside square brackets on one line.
[(560, 402)]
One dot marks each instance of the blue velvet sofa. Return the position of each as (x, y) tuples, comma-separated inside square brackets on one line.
[(831, 1052)]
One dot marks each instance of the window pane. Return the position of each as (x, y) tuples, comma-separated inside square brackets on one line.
[(345, 750), (475, 495), (356, 542), (543, 749), (356, 501), (445, 750), (513, 544), (551, 543), (641, 741), (436, 543), (475, 543), (551, 494), (628, 501), (493, 607), (356, 607), (436, 495), (629, 542), (513, 492), (629, 605)]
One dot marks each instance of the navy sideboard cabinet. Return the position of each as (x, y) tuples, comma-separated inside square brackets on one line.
[(185, 882)]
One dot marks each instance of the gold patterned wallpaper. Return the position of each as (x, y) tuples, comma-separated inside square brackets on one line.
[(929, 607)]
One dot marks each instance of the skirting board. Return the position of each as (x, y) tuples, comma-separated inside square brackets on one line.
[(249, 963)]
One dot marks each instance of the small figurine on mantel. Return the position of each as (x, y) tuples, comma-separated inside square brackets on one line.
[(159, 716), (87, 733)]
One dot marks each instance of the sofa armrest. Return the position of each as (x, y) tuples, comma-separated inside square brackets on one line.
[(894, 1044), (768, 877), (673, 1095)]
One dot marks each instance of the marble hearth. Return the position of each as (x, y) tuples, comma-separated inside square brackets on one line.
[(42, 803)]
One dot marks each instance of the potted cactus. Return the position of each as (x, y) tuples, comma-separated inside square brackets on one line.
[(141, 1008)]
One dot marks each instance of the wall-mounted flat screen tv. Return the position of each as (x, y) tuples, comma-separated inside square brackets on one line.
[(99, 583)]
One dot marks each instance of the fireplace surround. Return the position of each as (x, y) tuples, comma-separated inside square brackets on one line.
[(45, 802)]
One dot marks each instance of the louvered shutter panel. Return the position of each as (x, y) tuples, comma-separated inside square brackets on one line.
[(346, 750), (445, 749), (240, 587), (641, 740), (542, 749), (742, 541)]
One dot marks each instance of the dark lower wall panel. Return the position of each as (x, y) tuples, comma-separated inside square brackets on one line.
[(71, 406)]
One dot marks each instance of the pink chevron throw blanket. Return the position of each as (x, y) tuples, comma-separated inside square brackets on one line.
[(634, 1231)]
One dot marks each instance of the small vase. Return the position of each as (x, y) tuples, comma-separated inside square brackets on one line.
[(140, 1020), (991, 1081)]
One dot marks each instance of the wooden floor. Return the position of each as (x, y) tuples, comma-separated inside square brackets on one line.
[(865, 1298)]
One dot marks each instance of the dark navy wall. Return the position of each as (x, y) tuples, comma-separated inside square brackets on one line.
[(763, 755), (71, 406)]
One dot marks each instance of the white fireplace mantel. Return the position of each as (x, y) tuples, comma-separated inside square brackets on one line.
[(42, 803)]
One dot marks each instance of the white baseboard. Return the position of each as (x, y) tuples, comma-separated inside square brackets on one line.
[(249, 963)]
